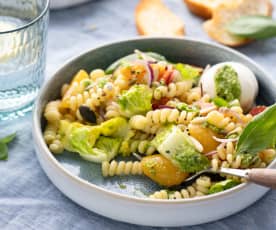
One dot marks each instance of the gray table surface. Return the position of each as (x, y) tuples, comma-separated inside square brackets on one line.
[(28, 200)]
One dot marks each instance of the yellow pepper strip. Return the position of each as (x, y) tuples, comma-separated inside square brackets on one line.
[(74, 88)]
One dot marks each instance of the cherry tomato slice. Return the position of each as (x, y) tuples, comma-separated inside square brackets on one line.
[(257, 109)]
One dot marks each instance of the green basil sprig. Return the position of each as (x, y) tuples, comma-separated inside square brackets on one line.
[(254, 27), (259, 134), (4, 146)]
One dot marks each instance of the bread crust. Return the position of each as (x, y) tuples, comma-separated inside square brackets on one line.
[(209, 26), (215, 29), (145, 5), (199, 9), (270, 8), (139, 8)]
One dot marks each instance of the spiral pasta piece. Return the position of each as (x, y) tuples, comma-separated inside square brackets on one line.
[(50, 133), (225, 157), (137, 146), (203, 184), (52, 113), (52, 138), (56, 146), (96, 74), (193, 95), (91, 98), (115, 168), (172, 90), (199, 188), (217, 119), (162, 116), (112, 110)]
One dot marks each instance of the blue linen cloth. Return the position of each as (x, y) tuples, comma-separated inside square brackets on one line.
[(28, 200)]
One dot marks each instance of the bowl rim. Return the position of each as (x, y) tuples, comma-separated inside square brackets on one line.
[(38, 138)]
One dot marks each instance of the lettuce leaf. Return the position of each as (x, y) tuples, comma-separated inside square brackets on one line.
[(136, 100), (77, 137), (105, 149), (115, 127), (188, 72)]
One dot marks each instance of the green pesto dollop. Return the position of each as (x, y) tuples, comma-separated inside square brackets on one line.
[(227, 83)]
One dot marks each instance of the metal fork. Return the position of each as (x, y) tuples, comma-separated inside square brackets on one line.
[(265, 177)]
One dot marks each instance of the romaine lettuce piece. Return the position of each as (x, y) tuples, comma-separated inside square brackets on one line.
[(176, 146), (115, 127), (77, 137), (87, 142), (82, 139), (223, 185), (136, 100), (64, 132), (105, 149), (188, 72)]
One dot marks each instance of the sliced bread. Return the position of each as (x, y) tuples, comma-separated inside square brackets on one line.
[(154, 18), (225, 13), (203, 8)]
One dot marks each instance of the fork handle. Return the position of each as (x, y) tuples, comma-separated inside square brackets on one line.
[(264, 177)]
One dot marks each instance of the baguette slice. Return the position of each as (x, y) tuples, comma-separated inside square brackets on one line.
[(204, 8), (225, 13), (154, 18)]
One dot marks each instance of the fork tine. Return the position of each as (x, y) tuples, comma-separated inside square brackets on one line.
[(190, 180)]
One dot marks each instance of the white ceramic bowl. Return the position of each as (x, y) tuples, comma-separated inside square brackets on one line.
[(77, 180), (58, 4)]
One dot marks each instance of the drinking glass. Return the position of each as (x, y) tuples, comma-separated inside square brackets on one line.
[(23, 35)]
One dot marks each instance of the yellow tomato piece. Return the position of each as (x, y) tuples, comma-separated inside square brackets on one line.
[(162, 171), (74, 88), (81, 75), (204, 136), (136, 73)]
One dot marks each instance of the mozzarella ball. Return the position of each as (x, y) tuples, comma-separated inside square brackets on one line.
[(246, 78)]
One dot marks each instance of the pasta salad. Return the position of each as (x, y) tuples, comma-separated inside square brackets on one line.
[(176, 118)]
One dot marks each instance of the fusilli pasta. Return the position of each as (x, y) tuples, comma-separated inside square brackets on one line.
[(137, 146), (199, 188), (52, 113), (112, 110), (115, 168), (50, 133), (162, 116), (172, 90)]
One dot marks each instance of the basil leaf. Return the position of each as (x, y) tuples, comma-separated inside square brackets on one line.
[(254, 27), (8, 138), (259, 134), (3, 151)]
